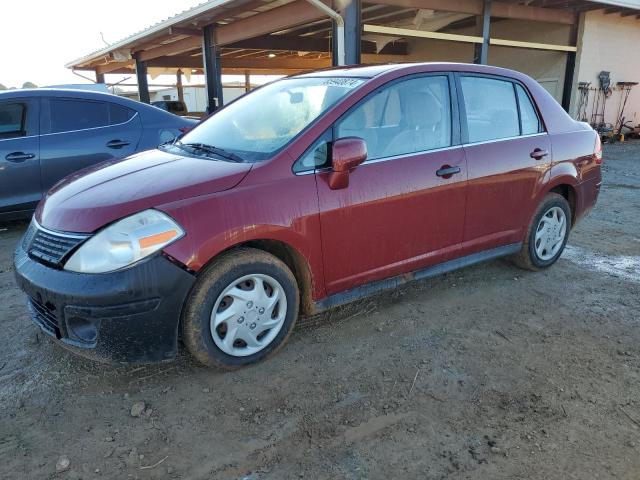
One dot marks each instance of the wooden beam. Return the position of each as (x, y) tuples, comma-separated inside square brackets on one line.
[(307, 44), (532, 45), (279, 18), (174, 48), (498, 9), (277, 63), (193, 32), (284, 42), (405, 32), (534, 14), (112, 67)]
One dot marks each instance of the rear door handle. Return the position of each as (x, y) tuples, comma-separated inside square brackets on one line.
[(447, 171), (538, 154), (19, 157), (117, 143)]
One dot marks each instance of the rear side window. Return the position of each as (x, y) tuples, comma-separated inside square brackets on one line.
[(119, 114), (12, 120), (72, 115), (406, 117), (491, 108), (528, 116)]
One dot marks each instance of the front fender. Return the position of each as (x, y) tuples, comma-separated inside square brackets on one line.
[(285, 211)]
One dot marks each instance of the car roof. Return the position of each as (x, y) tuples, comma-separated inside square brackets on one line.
[(67, 93), (370, 71), (150, 113)]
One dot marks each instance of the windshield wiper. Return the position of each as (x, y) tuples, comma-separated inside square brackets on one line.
[(220, 152)]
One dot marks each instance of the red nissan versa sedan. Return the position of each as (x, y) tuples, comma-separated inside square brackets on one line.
[(307, 193)]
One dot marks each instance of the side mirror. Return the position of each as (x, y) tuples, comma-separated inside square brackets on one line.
[(347, 153)]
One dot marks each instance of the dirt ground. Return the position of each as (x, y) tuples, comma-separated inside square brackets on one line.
[(489, 372)]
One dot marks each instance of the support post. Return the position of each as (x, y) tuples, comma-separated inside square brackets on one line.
[(351, 13), (143, 85), (179, 86), (481, 50), (212, 70), (569, 70), (247, 81), (99, 77)]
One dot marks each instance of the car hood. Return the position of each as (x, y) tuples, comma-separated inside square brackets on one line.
[(89, 199)]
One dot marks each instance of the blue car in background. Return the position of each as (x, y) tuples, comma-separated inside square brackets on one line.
[(46, 134)]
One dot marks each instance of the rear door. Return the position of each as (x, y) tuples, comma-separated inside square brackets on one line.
[(401, 211), (79, 133), (20, 187), (508, 155)]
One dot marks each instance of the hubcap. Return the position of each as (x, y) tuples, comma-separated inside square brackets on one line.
[(550, 233), (248, 315)]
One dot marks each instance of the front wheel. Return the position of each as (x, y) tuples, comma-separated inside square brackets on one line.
[(242, 309), (547, 234)]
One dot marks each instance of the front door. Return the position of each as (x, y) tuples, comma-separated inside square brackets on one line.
[(404, 207), (79, 133), (20, 187), (508, 155)]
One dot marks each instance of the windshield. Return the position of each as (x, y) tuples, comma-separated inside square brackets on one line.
[(258, 124)]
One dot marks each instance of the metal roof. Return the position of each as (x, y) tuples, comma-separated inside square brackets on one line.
[(189, 15), (224, 12)]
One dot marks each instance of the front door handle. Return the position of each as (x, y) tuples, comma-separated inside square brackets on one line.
[(19, 157), (538, 154), (447, 171), (117, 143)]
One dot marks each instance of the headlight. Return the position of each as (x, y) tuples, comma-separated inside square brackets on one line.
[(125, 242)]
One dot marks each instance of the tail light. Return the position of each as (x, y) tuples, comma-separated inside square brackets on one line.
[(598, 151)]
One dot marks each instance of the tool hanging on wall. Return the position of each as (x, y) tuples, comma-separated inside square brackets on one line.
[(584, 89), (625, 90), (597, 113)]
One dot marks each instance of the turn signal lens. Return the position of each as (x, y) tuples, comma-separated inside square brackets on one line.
[(158, 239)]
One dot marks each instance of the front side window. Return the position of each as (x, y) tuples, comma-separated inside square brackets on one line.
[(12, 120), (256, 125), (528, 116), (491, 108), (406, 117), (318, 156)]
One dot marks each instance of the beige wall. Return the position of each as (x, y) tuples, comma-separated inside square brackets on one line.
[(609, 42)]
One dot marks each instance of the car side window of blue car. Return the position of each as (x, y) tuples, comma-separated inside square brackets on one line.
[(13, 119), (69, 115)]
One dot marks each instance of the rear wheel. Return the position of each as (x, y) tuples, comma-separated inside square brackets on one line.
[(547, 234), (242, 309)]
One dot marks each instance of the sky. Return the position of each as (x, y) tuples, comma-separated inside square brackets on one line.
[(38, 37)]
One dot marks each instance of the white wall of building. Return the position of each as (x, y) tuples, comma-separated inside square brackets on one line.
[(611, 43)]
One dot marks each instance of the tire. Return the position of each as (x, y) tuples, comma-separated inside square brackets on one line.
[(530, 256), (242, 311)]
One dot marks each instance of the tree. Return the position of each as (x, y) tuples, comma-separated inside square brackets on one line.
[(29, 85), (2, 87)]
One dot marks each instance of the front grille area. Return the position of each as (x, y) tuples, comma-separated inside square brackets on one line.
[(45, 316), (50, 247)]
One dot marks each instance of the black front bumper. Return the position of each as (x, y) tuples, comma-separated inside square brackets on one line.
[(130, 315)]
